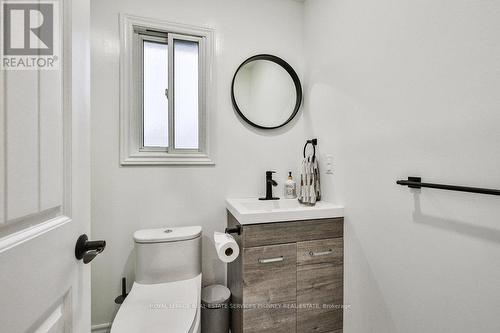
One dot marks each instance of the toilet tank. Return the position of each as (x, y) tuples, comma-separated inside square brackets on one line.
[(167, 254)]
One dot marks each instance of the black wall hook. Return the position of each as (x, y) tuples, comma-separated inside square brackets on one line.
[(314, 143)]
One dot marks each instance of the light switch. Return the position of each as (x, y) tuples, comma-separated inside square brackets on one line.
[(329, 164)]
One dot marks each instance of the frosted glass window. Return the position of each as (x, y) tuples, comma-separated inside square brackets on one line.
[(186, 94), (155, 103), (165, 78)]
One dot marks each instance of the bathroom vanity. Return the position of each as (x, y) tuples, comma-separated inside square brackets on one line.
[(289, 275)]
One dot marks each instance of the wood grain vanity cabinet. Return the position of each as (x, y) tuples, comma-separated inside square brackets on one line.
[(288, 277)]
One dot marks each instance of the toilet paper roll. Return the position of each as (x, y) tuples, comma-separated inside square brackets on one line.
[(226, 247)]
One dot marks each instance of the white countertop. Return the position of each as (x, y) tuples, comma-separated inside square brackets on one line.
[(253, 210)]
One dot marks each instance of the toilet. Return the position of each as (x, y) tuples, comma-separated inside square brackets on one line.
[(165, 296)]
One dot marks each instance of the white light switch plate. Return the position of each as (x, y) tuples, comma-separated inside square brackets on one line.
[(329, 164)]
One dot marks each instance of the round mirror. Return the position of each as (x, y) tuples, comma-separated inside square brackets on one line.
[(266, 91)]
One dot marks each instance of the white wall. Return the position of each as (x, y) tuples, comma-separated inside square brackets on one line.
[(392, 88), (129, 198), (399, 88)]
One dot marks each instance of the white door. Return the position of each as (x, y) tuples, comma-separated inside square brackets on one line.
[(44, 181)]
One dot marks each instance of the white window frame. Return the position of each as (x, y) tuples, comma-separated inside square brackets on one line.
[(132, 151)]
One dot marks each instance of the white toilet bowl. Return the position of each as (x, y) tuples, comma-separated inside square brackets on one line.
[(166, 294), (163, 307)]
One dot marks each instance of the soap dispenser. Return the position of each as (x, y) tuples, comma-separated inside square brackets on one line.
[(290, 187)]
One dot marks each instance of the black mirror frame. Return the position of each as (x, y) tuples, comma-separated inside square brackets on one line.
[(290, 71)]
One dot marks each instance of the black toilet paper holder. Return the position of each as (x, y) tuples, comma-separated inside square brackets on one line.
[(233, 230)]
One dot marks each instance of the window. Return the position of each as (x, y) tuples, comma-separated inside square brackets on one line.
[(165, 92), (154, 92)]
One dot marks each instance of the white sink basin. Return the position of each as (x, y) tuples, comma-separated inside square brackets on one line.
[(253, 210)]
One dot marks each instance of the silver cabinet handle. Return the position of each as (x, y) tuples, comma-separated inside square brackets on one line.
[(271, 260), (317, 254)]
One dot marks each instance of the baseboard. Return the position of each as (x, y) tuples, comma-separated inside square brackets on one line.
[(101, 328)]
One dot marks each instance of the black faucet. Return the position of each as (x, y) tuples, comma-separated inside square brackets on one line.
[(269, 186)]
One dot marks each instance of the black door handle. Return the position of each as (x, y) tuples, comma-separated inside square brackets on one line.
[(88, 250)]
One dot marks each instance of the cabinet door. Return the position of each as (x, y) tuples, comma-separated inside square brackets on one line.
[(270, 289), (320, 286)]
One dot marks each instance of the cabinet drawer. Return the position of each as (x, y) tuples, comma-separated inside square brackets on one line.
[(319, 229), (289, 232), (268, 234), (269, 274), (320, 251)]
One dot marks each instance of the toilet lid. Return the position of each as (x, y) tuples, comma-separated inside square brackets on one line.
[(164, 307)]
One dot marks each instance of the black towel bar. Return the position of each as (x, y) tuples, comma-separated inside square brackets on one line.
[(416, 182)]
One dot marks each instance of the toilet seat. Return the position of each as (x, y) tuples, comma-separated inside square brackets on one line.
[(172, 307)]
